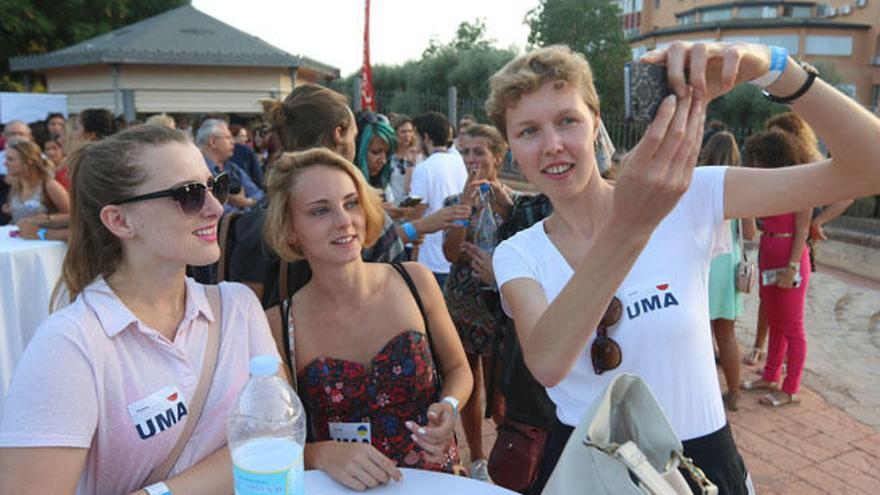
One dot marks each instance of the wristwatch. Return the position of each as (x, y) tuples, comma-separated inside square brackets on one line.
[(796, 265), (452, 401), (812, 74)]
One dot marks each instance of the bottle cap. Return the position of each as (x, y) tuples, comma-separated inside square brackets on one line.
[(484, 188), (264, 365)]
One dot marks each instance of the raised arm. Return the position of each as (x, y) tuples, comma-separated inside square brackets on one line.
[(849, 131)]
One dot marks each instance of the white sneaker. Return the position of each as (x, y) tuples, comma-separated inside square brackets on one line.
[(480, 470)]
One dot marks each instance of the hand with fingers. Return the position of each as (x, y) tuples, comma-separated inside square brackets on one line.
[(435, 437), (481, 263), (710, 69), (444, 218), (356, 465), (658, 170)]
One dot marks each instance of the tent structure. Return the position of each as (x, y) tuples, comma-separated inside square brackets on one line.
[(182, 60)]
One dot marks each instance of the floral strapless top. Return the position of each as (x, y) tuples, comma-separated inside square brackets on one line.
[(398, 386)]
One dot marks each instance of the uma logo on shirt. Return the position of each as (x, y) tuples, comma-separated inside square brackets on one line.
[(157, 412), (645, 301)]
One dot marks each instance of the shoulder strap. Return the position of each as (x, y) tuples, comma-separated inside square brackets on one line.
[(283, 273), (209, 363), (739, 240), (412, 288), (285, 341)]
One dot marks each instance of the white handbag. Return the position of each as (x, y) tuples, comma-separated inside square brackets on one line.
[(624, 445)]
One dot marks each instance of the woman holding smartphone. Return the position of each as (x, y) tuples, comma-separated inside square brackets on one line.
[(615, 280)]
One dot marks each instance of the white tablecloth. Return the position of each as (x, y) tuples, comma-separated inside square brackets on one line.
[(29, 270), (414, 481)]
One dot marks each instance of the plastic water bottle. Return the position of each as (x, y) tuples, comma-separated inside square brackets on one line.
[(267, 432), (486, 234)]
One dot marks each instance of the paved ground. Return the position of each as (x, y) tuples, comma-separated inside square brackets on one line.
[(830, 443)]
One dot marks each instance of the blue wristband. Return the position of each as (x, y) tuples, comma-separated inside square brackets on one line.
[(778, 61), (42, 233), (411, 232)]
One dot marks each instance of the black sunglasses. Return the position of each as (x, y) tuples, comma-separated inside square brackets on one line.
[(605, 352), (190, 197)]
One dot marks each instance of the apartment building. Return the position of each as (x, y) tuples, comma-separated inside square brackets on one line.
[(845, 33)]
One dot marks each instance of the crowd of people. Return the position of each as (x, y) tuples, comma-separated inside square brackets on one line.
[(355, 248)]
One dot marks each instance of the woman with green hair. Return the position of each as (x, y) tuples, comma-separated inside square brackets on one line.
[(376, 142)]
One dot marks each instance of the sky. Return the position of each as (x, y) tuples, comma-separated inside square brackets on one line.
[(331, 31)]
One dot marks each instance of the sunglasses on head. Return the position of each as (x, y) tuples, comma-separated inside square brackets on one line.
[(605, 352), (190, 197)]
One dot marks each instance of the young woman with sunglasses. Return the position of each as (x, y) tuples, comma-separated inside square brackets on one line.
[(648, 239), (104, 388), (372, 344)]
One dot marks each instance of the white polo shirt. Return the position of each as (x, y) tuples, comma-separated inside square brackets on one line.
[(439, 176), (664, 333), (96, 377)]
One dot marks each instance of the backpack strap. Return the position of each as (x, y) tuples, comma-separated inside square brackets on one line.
[(209, 363)]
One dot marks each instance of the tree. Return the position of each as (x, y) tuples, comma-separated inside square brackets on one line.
[(745, 107), (33, 27), (591, 27), (466, 62)]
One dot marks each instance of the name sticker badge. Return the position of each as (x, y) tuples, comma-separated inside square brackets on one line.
[(350, 432), (157, 412)]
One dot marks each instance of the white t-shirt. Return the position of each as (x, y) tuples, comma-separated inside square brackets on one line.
[(95, 377), (439, 176), (664, 332)]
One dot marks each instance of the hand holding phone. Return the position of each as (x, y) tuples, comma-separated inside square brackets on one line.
[(410, 201)]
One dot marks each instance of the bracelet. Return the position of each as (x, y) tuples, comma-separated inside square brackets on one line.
[(778, 61), (159, 488), (41, 233), (410, 231), (452, 401), (794, 265), (812, 74)]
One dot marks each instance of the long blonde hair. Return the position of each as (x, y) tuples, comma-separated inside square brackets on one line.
[(36, 166)]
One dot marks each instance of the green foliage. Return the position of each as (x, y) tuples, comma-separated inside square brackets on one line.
[(744, 108), (32, 27), (591, 27), (466, 62)]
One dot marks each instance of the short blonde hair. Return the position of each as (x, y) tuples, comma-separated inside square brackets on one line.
[(162, 119), (527, 73), (280, 183)]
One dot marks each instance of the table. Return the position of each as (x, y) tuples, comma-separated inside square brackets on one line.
[(29, 270), (415, 481)]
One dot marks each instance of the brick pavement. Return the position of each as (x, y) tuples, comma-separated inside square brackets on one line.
[(810, 448)]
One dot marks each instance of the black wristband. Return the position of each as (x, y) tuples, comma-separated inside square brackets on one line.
[(812, 74)]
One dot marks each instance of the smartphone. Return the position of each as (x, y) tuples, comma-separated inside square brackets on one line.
[(644, 88), (410, 201), (771, 277)]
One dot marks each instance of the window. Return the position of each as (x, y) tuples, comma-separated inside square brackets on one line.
[(875, 97), (797, 11), (687, 19), (757, 12), (829, 45), (847, 89), (716, 15), (787, 41)]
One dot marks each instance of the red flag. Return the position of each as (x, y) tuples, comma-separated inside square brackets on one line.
[(368, 94)]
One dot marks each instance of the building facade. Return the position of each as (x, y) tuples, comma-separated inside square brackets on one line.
[(842, 33), (180, 61)]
